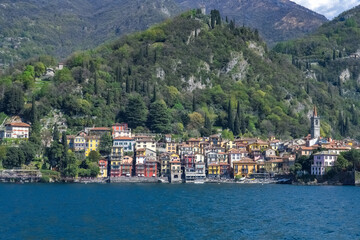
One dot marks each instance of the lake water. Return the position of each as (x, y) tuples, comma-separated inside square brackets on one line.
[(164, 211)]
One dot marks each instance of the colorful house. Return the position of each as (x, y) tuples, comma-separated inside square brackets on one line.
[(171, 147), (258, 145), (92, 144), (115, 166), (176, 172), (126, 166), (121, 130), (127, 143), (244, 167), (103, 165), (151, 168), (322, 161), (165, 164), (214, 170)]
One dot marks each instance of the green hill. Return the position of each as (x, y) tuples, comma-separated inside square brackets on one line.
[(186, 76), (331, 59)]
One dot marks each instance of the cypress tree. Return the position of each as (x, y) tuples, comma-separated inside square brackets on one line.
[(207, 126), (237, 124), (194, 104), (242, 122), (56, 134), (230, 117), (128, 90), (96, 86), (33, 113), (154, 95)]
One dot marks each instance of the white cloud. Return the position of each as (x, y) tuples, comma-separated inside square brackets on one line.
[(329, 8)]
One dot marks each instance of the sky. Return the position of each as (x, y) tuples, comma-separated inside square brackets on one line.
[(328, 8)]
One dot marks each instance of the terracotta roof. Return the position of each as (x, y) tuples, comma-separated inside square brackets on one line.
[(70, 136), (120, 124), (245, 160), (123, 138), (18, 124), (100, 129)]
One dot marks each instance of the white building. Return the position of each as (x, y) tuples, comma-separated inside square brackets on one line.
[(16, 130)]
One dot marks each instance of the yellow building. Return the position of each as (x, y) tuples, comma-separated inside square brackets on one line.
[(244, 167), (258, 146), (171, 147), (92, 144), (214, 170), (274, 165)]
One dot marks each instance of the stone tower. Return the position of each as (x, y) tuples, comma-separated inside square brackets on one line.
[(315, 124)]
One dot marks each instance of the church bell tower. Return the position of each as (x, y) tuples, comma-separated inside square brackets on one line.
[(315, 125)]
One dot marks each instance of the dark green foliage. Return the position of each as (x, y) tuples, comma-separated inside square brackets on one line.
[(14, 158), (56, 134), (230, 117), (94, 156), (207, 130), (29, 150), (105, 144), (159, 118), (13, 102), (135, 111)]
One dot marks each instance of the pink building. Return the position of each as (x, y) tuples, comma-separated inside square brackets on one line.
[(323, 160)]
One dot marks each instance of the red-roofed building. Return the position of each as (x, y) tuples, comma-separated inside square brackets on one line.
[(16, 130), (127, 143), (121, 130)]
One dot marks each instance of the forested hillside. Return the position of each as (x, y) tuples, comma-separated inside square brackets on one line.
[(331, 59), (58, 28), (187, 76)]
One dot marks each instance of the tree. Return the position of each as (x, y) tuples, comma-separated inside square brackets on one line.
[(237, 123), (230, 117), (159, 117), (56, 134), (96, 85), (105, 144), (207, 130), (94, 156), (128, 87), (193, 104), (35, 124), (29, 151), (14, 158), (13, 101), (196, 121), (135, 111), (39, 69), (154, 95)]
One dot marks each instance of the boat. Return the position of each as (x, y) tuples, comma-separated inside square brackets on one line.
[(199, 181)]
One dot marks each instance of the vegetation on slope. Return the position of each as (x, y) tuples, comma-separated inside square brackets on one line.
[(331, 59), (188, 75)]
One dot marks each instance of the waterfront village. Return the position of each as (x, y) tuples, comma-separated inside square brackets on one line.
[(148, 157)]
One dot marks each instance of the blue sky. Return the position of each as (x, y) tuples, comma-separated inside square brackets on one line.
[(328, 8)]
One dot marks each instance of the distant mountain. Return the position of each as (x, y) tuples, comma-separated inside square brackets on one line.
[(276, 20), (59, 27)]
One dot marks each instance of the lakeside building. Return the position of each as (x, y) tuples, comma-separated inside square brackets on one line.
[(103, 165), (244, 167), (126, 166), (322, 161), (176, 172)]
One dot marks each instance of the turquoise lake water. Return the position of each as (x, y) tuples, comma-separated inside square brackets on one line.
[(164, 211)]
